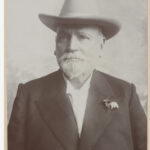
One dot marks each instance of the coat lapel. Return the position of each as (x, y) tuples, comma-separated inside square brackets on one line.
[(97, 117), (56, 111)]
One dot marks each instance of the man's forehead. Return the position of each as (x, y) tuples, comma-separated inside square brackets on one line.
[(70, 27)]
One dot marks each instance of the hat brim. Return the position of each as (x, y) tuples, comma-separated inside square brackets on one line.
[(109, 27)]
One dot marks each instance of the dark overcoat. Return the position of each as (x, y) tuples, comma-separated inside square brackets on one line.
[(42, 116)]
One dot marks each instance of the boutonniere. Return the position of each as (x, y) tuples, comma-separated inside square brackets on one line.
[(110, 104)]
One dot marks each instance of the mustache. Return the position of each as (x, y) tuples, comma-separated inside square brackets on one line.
[(72, 56)]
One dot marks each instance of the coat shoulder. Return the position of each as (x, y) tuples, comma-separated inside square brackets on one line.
[(115, 80), (46, 81), (119, 86)]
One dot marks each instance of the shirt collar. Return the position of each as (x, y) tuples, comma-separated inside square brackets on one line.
[(70, 89)]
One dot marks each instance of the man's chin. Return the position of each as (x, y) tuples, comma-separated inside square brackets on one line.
[(72, 73), (74, 69)]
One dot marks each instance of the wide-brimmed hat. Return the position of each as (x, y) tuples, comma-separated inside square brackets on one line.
[(84, 12)]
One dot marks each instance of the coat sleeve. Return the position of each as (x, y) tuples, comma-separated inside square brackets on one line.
[(17, 123), (138, 122)]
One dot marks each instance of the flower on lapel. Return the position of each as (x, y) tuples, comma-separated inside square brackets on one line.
[(110, 104)]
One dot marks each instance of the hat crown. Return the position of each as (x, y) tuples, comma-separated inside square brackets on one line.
[(85, 12), (75, 8)]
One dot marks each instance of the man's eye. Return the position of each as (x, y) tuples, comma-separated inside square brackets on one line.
[(61, 37), (82, 37)]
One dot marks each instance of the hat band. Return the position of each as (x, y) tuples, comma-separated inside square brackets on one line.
[(79, 15)]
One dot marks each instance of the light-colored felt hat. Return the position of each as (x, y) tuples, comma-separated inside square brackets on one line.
[(84, 12)]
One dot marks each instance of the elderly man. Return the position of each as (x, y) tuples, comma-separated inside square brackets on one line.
[(77, 107)]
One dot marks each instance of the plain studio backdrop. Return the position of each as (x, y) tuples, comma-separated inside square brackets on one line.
[(30, 45)]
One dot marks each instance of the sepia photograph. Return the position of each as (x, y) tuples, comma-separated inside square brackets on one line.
[(77, 76)]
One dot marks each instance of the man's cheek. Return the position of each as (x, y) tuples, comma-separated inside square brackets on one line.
[(61, 47), (59, 53)]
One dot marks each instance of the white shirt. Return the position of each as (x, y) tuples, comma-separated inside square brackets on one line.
[(78, 98)]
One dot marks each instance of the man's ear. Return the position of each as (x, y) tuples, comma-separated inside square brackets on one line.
[(55, 52), (102, 43)]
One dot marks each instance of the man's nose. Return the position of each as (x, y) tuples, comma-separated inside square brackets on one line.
[(73, 43)]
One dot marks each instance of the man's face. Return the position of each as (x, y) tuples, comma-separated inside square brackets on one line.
[(78, 48)]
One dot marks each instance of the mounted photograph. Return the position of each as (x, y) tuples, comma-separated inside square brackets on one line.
[(77, 76)]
